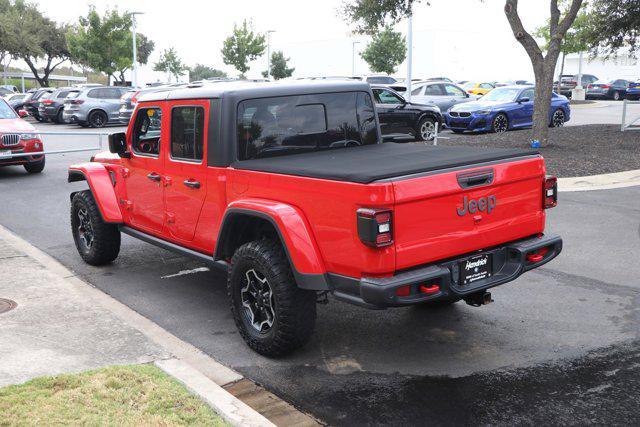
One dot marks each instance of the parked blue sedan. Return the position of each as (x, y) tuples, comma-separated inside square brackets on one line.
[(502, 109)]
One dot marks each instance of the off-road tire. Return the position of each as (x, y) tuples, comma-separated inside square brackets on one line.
[(105, 246), (294, 308), (429, 123), (35, 167), (98, 119)]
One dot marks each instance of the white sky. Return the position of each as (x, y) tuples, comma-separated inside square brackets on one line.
[(460, 39)]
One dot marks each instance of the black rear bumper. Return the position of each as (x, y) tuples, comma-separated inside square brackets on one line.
[(509, 261)]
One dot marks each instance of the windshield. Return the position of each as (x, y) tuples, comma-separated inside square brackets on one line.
[(469, 85), (502, 95), (6, 112)]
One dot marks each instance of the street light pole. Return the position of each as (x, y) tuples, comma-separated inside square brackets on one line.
[(409, 56), (353, 58), (269, 53), (134, 77)]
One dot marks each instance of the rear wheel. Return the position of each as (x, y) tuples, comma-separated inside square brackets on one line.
[(272, 314), (557, 120), (426, 129), (98, 119), (34, 167), (616, 96), (59, 118), (500, 123), (98, 242)]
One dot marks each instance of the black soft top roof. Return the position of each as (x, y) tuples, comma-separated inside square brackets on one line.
[(371, 163)]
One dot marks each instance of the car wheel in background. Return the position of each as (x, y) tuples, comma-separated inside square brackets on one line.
[(557, 120), (426, 129), (458, 131), (98, 242), (59, 118), (500, 123), (273, 315), (98, 119), (616, 96), (35, 167)]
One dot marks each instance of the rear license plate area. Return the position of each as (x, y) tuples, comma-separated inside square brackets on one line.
[(475, 268)]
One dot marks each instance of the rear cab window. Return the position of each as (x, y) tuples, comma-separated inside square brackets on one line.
[(278, 126)]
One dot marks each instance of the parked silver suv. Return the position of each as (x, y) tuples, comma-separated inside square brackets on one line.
[(94, 106)]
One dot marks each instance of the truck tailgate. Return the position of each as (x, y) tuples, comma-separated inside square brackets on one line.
[(442, 215)]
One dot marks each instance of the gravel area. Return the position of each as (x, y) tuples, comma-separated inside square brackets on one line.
[(571, 151)]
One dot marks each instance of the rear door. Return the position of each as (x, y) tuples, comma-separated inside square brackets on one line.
[(111, 102), (444, 215), (185, 167)]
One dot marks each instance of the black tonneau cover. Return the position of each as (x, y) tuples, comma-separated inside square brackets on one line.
[(370, 163)]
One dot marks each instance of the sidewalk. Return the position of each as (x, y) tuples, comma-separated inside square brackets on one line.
[(62, 325)]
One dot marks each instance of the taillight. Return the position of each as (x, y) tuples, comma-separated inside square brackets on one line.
[(605, 86), (134, 98), (77, 101), (47, 102), (590, 87), (550, 192), (374, 227)]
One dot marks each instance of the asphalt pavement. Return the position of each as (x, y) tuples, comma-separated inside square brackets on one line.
[(559, 345)]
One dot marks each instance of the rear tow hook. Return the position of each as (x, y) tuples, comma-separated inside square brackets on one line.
[(478, 299)]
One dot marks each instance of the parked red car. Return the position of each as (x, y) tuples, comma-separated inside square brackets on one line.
[(288, 188), (17, 137)]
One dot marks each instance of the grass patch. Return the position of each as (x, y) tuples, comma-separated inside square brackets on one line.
[(124, 396)]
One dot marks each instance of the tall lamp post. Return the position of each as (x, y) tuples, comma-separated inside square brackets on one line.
[(353, 58), (409, 56), (134, 77), (269, 52)]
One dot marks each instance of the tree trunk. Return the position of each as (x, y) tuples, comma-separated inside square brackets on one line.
[(564, 56), (35, 73)]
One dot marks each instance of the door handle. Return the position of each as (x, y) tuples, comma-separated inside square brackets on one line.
[(191, 183), (154, 176)]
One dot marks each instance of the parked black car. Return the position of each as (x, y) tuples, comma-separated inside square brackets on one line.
[(615, 89), (403, 121), (34, 102), (52, 105)]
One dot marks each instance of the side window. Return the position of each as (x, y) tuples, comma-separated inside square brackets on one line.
[(454, 91), (112, 93), (366, 119), (387, 97), (187, 133), (417, 91), (527, 94), (146, 132), (486, 86), (433, 90), (94, 93)]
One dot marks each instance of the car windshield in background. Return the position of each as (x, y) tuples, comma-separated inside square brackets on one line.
[(381, 80), (285, 125), (72, 95), (6, 112), (502, 95)]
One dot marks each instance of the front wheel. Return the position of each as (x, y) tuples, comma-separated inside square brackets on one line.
[(34, 167), (272, 314), (616, 96), (557, 120), (98, 119), (98, 242), (500, 123), (426, 129)]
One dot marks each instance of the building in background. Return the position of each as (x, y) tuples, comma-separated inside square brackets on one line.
[(621, 67)]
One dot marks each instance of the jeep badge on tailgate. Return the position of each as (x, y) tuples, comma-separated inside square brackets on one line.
[(472, 206)]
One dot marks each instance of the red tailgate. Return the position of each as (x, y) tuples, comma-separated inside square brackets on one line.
[(432, 222)]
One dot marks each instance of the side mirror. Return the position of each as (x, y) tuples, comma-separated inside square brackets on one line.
[(521, 100), (118, 144)]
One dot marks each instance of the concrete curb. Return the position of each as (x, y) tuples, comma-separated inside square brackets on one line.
[(226, 405), (607, 181), (196, 370)]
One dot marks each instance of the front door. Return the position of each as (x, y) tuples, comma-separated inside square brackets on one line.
[(185, 168), (144, 202)]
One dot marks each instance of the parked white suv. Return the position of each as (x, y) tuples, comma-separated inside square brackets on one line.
[(94, 106)]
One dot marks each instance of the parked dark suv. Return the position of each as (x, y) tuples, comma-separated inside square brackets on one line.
[(32, 104), (51, 106)]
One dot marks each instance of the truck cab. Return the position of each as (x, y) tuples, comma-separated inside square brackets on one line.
[(289, 188)]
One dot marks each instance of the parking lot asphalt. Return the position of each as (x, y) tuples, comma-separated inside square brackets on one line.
[(558, 345)]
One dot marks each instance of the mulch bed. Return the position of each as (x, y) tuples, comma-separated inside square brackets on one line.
[(571, 151)]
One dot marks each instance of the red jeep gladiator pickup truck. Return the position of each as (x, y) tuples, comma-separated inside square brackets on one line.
[(289, 188)]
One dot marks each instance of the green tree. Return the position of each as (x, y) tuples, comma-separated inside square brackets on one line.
[(386, 51), (242, 47), (170, 63), (279, 66), (575, 41), (104, 43), (613, 25), (203, 72), (28, 35), (368, 15)]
